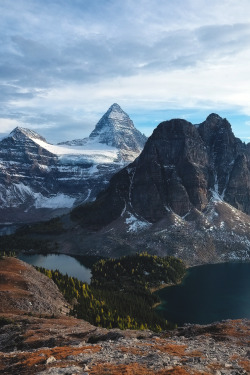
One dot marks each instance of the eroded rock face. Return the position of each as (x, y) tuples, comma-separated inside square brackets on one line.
[(187, 194), (180, 169), (172, 172), (230, 162), (182, 164)]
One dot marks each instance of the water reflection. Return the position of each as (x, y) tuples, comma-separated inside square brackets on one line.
[(63, 263)]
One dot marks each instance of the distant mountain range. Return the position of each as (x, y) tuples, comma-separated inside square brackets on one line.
[(39, 180), (187, 195)]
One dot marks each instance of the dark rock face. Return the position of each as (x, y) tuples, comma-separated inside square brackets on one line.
[(189, 190), (173, 170), (229, 159), (181, 167)]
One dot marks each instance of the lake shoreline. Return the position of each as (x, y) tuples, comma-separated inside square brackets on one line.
[(66, 264), (211, 292)]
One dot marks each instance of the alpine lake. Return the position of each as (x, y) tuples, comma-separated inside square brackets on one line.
[(207, 294)]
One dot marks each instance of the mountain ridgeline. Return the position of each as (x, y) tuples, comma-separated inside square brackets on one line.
[(189, 188), (180, 169), (39, 180)]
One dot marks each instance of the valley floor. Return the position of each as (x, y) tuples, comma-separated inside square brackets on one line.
[(33, 341)]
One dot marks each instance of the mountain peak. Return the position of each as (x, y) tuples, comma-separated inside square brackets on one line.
[(215, 123), (113, 119), (116, 129), (116, 112), (20, 132), (213, 116), (115, 107)]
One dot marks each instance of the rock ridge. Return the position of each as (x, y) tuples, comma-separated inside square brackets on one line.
[(188, 190), (39, 180)]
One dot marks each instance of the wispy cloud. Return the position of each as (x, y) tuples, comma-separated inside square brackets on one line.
[(62, 63)]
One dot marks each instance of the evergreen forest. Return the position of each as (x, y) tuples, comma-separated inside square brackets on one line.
[(120, 294)]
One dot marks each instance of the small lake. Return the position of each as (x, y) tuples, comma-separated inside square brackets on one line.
[(207, 294), (8, 228), (63, 263)]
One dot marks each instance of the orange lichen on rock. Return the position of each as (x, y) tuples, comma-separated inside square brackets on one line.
[(215, 366), (173, 349), (131, 350), (23, 289), (174, 371), (238, 329), (137, 369), (245, 364), (59, 353), (178, 370), (109, 369)]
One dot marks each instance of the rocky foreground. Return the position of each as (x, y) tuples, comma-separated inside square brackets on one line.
[(36, 339)]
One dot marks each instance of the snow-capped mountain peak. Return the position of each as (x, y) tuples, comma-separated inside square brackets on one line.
[(115, 129), (19, 133), (36, 175), (115, 112), (114, 122)]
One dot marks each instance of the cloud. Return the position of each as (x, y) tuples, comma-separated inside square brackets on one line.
[(6, 124), (63, 63)]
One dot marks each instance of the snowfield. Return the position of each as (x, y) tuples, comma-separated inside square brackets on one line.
[(92, 151)]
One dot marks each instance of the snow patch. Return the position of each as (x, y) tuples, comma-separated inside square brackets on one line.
[(90, 151), (215, 196), (167, 208), (88, 195), (57, 201), (124, 210), (18, 194), (135, 224)]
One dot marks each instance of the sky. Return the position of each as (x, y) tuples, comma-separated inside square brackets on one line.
[(63, 63)]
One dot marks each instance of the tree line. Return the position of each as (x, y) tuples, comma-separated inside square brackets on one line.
[(119, 295)]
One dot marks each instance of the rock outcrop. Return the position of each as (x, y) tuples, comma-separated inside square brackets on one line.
[(25, 290), (187, 194)]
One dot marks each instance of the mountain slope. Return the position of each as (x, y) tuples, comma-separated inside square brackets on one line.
[(38, 338), (39, 180), (187, 194)]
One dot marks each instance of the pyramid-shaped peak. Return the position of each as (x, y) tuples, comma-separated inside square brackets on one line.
[(17, 130), (115, 107), (20, 132), (111, 122), (116, 112), (116, 129)]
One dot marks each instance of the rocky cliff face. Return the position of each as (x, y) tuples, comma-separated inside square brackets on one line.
[(186, 193), (39, 180)]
